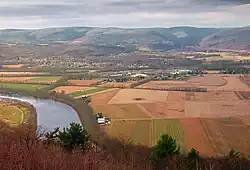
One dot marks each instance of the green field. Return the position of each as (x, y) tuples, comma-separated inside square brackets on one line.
[(13, 115), (25, 87), (86, 92)]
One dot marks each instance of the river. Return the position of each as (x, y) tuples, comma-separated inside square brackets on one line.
[(50, 113)]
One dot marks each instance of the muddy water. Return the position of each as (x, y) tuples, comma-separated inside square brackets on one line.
[(50, 114)]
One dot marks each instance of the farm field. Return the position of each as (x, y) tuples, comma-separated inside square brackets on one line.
[(13, 73), (12, 114), (207, 81), (195, 137), (146, 132), (70, 89), (225, 134), (103, 98), (38, 80), (233, 84), (122, 111), (87, 92), (118, 84), (126, 96), (83, 82), (26, 87)]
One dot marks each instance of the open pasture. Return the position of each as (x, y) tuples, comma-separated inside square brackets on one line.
[(83, 82), (227, 133), (70, 89)]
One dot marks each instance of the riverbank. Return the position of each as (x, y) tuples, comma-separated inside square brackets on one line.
[(84, 111), (15, 113)]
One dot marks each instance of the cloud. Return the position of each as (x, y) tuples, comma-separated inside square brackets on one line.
[(123, 13)]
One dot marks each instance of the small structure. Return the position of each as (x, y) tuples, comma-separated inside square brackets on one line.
[(102, 120), (139, 75)]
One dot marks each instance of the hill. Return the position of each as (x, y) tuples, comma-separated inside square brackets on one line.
[(235, 38), (155, 38)]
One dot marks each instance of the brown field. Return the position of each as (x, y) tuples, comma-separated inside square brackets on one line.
[(225, 134), (69, 89), (215, 109), (244, 94), (207, 81), (38, 80), (195, 137), (13, 66), (118, 84), (126, 96), (233, 84), (214, 96), (4, 73), (245, 79), (122, 111), (103, 98), (83, 82)]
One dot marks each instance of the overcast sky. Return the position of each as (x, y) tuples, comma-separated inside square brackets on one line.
[(123, 13)]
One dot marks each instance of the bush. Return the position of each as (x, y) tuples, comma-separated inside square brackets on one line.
[(70, 138), (165, 148)]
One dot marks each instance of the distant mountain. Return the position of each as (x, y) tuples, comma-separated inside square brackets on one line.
[(234, 38), (153, 38)]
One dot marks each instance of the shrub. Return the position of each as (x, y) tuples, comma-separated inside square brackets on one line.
[(166, 147)]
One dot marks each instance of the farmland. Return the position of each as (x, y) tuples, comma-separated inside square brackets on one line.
[(118, 84), (146, 132), (38, 80), (25, 87), (13, 114), (70, 89), (211, 82), (83, 82), (192, 118), (13, 66), (13, 73), (87, 92)]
